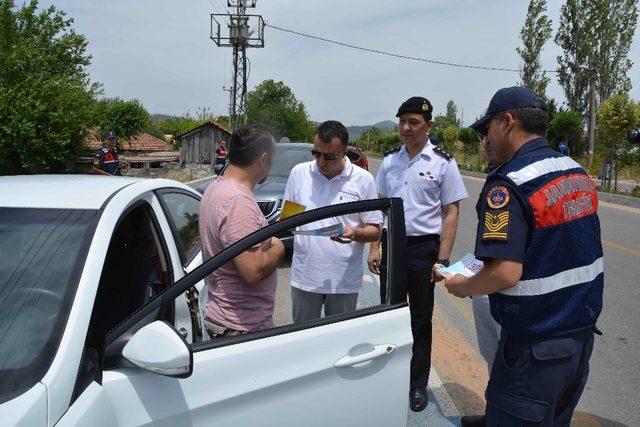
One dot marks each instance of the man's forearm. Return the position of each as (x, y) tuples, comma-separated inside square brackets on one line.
[(449, 229), (368, 233), (496, 276)]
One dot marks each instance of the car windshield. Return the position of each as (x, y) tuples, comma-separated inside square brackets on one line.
[(287, 157), (42, 252)]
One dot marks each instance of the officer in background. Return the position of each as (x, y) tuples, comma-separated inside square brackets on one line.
[(539, 235), (106, 161), (428, 181)]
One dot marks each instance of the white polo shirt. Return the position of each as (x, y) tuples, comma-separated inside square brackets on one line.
[(319, 264), (425, 183)]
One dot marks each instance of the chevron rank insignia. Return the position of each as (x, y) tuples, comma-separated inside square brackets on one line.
[(496, 225)]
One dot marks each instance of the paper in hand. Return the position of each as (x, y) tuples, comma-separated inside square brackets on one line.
[(467, 266), (290, 209), (330, 231)]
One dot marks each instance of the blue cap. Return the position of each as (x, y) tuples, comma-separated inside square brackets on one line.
[(109, 135), (509, 98)]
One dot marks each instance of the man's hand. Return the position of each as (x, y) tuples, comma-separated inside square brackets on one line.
[(349, 233), (457, 285), (374, 261), (435, 276)]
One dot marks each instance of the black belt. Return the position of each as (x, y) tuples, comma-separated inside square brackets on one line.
[(424, 238), (416, 239)]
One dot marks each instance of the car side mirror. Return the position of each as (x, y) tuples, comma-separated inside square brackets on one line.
[(159, 348)]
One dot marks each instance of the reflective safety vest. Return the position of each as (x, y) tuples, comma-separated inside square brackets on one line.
[(561, 287)]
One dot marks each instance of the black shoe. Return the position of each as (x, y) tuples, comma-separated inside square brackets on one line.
[(418, 398), (473, 421)]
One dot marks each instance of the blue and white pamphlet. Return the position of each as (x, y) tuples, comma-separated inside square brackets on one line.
[(467, 266)]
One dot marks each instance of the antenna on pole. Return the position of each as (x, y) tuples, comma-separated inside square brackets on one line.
[(242, 32)]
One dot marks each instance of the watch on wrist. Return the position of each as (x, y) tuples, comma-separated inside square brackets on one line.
[(444, 261)]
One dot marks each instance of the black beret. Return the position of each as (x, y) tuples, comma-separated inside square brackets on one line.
[(416, 105)]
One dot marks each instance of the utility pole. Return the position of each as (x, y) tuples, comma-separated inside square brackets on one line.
[(243, 31)]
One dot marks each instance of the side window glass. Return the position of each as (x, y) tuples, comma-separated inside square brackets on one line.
[(318, 278), (183, 211), (353, 156)]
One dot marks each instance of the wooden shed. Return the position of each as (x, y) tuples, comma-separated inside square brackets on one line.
[(199, 145)]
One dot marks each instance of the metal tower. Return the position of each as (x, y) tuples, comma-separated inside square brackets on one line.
[(242, 32)]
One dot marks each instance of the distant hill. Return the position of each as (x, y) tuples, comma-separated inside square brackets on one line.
[(158, 117), (356, 131)]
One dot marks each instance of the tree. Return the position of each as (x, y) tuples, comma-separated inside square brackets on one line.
[(534, 34), (616, 116), (452, 113), (577, 42), (440, 123), (46, 97), (596, 37), (450, 136), (566, 126), (273, 105), (125, 118), (470, 140), (614, 25)]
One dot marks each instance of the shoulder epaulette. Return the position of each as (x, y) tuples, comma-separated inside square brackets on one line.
[(441, 152), (393, 150)]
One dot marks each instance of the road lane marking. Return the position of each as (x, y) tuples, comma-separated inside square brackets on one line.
[(460, 367), (443, 398), (620, 247)]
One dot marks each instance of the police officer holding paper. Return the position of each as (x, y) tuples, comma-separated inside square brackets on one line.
[(428, 181), (539, 235)]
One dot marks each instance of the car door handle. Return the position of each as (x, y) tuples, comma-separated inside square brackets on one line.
[(378, 351)]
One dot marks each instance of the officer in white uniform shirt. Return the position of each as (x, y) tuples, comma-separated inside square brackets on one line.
[(328, 273), (429, 183)]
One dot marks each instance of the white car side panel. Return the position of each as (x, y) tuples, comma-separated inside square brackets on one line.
[(60, 378), (286, 380), (27, 410), (92, 408)]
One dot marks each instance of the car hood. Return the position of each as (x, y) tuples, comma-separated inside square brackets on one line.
[(271, 189)]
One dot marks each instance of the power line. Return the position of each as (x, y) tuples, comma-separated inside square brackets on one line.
[(397, 55)]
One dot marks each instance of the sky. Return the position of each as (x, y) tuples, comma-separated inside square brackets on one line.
[(159, 52)]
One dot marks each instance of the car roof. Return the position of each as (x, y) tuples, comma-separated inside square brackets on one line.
[(294, 144), (60, 191)]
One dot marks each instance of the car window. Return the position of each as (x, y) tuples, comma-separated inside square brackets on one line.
[(183, 211), (42, 253), (353, 156), (318, 280), (287, 157)]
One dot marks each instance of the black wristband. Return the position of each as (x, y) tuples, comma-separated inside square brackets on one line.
[(444, 261)]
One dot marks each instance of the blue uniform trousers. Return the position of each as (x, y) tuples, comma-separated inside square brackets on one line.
[(538, 382)]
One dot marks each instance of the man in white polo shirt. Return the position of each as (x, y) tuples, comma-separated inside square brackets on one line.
[(327, 272)]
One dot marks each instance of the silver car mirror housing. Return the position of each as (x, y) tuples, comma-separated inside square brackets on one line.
[(159, 348)]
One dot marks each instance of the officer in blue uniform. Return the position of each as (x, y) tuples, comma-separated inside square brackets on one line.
[(539, 235), (429, 183), (106, 160)]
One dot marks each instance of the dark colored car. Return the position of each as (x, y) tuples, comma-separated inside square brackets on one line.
[(270, 193), (357, 157)]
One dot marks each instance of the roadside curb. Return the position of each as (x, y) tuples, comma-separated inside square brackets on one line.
[(617, 199), (195, 181)]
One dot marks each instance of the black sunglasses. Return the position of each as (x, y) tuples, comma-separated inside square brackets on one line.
[(329, 157)]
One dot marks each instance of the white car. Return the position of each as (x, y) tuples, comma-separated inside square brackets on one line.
[(100, 322)]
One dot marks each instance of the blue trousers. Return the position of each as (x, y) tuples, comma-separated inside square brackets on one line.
[(538, 382)]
